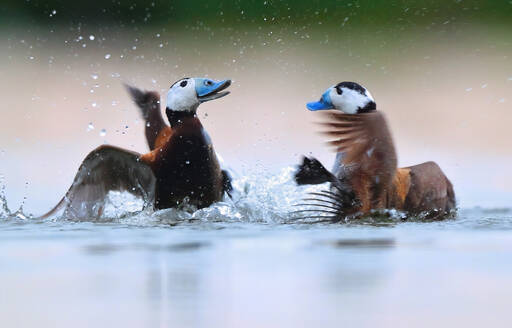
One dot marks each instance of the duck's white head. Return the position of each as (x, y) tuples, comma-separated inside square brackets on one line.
[(186, 94), (349, 97)]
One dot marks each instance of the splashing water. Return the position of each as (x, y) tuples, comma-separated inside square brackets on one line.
[(257, 198), (4, 210)]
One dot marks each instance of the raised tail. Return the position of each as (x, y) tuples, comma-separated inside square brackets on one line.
[(149, 105), (311, 171), (330, 205)]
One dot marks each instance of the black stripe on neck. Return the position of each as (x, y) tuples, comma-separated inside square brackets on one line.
[(177, 117), (371, 106)]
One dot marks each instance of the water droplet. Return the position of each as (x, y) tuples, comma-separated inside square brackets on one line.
[(91, 37), (148, 124), (187, 162), (107, 56), (134, 48), (53, 13), (161, 45), (103, 132), (94, 76), (90, 127)]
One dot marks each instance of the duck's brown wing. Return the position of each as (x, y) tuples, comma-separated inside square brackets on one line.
[(105, 169), (369, 154), (361, 135)]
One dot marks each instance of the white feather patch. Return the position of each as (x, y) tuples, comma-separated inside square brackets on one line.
[(182, 99), (350, 100)]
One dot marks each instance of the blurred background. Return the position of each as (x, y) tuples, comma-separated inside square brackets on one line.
[(440, 70)]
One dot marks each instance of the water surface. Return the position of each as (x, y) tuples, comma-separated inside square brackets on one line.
[(246, 264)]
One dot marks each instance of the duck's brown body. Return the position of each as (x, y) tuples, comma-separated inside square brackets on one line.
[(366, 170), (182, 157), (185, 166), (171, 146), (421, 188), (416, 189), (162, 137)]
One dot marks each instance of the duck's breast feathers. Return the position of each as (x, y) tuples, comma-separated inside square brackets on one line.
[(361, 137), (105, 169), (163, 137), (189, 127)]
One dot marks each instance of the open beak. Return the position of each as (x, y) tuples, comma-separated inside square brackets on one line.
[(207, 89)]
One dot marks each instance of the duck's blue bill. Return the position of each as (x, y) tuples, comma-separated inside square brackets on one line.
[(318, 105), (323, 103), (205, 87)]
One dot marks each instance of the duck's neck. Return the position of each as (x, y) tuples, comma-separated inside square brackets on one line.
[(176, 118), (370, 107)]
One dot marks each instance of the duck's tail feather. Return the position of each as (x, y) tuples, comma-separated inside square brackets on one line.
[(329, 205), (311, 171)]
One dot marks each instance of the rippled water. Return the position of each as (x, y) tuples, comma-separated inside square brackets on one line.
[(247, 263)]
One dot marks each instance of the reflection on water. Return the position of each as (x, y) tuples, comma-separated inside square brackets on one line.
[(228, 274)]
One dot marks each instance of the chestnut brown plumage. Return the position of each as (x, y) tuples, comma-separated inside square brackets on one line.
[(369, 171)]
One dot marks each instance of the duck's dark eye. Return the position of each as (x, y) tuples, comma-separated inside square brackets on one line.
[(183, 84), (208, 82), (339, 91)]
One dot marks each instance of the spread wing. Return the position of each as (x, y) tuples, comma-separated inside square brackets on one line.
[(105, 169), (362, 138), (363, 143)]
